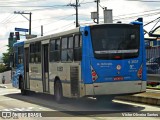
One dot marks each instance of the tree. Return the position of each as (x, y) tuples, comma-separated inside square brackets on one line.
[(6, 57), (2, 68)]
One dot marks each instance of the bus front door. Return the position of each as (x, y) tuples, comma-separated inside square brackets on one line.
[(45, 75), (26, 68)]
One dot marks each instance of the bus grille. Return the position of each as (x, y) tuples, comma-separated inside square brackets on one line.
[(74, 76)]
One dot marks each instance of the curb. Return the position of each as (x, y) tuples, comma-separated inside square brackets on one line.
[(140, 99), (154, 88)]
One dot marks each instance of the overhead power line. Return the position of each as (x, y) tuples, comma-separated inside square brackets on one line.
[(58, 28), (6, 18), (19, 2), (55, 21), (142, 15), (32, 6)]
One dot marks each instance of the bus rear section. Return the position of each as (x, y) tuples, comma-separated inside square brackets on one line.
[(114, 59)]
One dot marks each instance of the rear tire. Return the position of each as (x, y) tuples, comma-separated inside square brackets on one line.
[(58, 92)]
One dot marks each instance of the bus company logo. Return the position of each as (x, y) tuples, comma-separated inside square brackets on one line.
[(6, 115)]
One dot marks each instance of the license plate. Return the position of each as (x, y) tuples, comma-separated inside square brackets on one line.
[(118, 78)]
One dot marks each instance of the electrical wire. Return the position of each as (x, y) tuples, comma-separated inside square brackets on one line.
[(32, 6), (11, 18), (57, 28), (149, 14), (138, 13), (55, 21), (6, 18)]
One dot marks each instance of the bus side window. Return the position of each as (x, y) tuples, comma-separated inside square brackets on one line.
[(14, 57), (38, 52), (64, 49), (20, 54), (70, 49), (77, 48), (32, 50), (55, 50), (11, 59)]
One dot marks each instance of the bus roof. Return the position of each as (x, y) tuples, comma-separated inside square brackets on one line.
[(56, 35)]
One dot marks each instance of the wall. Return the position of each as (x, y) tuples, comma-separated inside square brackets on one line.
[(7, 77)]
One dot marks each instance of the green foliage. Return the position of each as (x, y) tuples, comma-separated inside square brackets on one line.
[(6, 57), (2, 68)]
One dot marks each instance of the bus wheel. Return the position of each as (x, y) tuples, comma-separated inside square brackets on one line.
[(58, 91), (23, 91)]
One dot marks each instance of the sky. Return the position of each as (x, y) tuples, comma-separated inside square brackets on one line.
[(58, 15)]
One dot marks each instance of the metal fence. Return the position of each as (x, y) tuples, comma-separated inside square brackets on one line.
[(153, 60)]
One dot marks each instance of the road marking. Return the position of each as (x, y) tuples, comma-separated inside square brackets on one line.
[(23, 109), (19, 109)]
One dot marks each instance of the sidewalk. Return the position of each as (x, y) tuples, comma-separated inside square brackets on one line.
[(149, 97), (6, 86)]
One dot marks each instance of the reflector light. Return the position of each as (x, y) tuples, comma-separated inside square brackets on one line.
[(139, 73), (94, 74), (117, 57)]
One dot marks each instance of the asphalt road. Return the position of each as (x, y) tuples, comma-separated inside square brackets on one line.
[(12, 101)]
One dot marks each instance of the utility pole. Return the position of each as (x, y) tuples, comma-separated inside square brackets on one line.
[(76, 7), (41, 30), (98, 11), (77, 13), (30, 23), (26, 18)]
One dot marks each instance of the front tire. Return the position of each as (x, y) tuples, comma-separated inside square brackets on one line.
[(58, 92)]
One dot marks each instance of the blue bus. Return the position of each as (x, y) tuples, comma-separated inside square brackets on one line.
[(100, 61), (17, 64)]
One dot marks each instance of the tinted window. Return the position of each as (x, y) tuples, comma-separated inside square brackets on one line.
[(55, 50), (35, 52), (64, 43), (76, 39), (20, 54), (118, 39), (70, 45), (77, 48), (52, 45), (57, 45)]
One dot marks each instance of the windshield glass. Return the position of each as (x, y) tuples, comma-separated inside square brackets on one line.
[(116, 39)]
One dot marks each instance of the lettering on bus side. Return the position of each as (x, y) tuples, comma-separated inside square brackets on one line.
[(59, 68)]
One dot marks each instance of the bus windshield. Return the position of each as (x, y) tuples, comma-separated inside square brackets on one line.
[(110, 41)]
